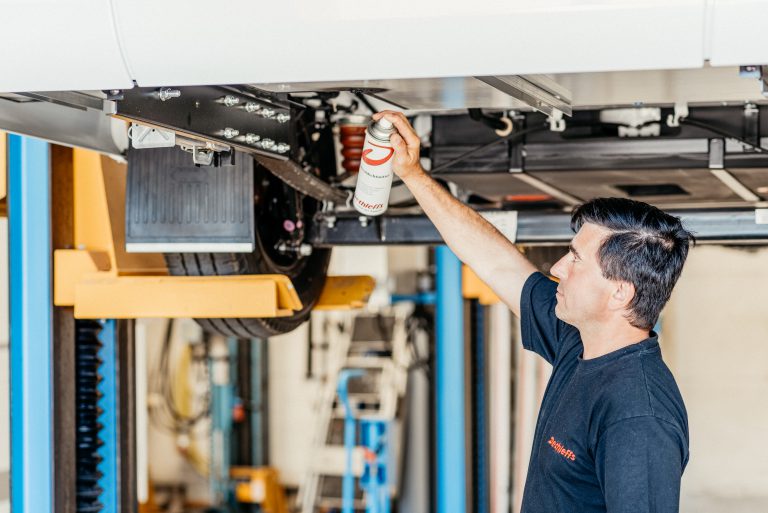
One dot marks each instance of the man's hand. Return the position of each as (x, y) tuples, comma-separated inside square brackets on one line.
[(474, 240), (406, 144)]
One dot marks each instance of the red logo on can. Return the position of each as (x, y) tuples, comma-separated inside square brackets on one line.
[(378, 162)]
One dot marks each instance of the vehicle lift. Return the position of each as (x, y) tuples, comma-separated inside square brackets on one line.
[(67, 262)]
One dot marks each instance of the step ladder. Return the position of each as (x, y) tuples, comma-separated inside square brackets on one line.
[(377, 348)]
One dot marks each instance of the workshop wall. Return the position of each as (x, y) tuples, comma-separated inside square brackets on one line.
[(293, 396), (714, 334)]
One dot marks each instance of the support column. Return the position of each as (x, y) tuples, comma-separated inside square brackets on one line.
[(451, 471), (31, 325), (109, 402)]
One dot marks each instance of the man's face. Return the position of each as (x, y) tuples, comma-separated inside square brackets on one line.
[(583, 294)]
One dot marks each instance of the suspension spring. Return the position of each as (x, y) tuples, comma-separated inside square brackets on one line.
[(352, 137)]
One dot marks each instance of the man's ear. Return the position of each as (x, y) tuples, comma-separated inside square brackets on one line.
[(623, 294)]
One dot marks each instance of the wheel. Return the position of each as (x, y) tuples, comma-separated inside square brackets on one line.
[(275, 204)]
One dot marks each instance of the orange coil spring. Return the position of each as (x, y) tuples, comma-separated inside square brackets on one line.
[(352, 138)]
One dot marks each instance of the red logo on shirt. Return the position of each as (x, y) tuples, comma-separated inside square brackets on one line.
[(561, 450)]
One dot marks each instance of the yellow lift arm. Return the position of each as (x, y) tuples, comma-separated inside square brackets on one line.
[(100, 280)]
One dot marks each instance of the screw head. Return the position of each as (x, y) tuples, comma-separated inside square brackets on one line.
[(230, 133), (268, 144), (283, 117), (252, 138), (252, 107), (167, 93), (282, 148), (267, 113), (230, 100)]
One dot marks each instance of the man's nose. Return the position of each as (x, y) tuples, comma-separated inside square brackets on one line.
[(557, 269)]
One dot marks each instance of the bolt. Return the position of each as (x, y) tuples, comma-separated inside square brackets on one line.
[(305, 250), (252, 138), (282, 117), (330, 221), (230, 100), (267, 144), (282, 148), (267, 113), (166, 93), (363, 221), (252, 107), (231, 133)]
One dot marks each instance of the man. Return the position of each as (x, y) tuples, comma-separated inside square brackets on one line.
[(612, 432)]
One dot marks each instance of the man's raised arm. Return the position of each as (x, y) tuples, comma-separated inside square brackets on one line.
[(474, 240)]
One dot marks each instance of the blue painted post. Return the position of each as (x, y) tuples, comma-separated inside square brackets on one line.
[(31, 325), (374, 435), (222, 400), (108, 402), (451, 476), (348, 480)]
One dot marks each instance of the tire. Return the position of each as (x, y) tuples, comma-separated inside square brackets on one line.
[(307, 273), (308, 278)]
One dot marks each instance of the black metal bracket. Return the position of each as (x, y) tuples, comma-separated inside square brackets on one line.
[(535, 228), (230, 116)]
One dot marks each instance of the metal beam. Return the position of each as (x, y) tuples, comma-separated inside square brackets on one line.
[(533, 228), (451, 471), (539, 91), (31, 326)]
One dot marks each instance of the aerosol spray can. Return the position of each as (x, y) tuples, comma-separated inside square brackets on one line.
[(375, 177)]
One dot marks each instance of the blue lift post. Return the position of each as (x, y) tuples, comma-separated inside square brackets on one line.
[(31, 331), (108, 402), (451, 471), (350, 432)]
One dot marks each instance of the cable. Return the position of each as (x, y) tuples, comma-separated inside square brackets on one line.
[(706, 126), (510, 137), (465, 155), (360, 96), (164, 381)]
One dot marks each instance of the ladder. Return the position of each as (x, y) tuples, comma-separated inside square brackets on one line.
[(377, 349)]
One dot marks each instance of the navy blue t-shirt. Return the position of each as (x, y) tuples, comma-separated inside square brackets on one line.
[(612, 433)]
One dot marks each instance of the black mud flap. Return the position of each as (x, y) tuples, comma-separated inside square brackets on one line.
[(175, 206)]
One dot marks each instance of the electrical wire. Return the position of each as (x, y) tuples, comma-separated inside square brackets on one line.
[(719, 131), (166, 383), (511, 137)]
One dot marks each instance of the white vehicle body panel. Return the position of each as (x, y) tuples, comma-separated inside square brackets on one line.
[(48, 45), (736, 32), (94, 44), (306, 40)]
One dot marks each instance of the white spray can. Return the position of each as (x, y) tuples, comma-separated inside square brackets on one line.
[(374, 180)]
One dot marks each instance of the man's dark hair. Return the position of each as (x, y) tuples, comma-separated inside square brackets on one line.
[(647, 248)]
